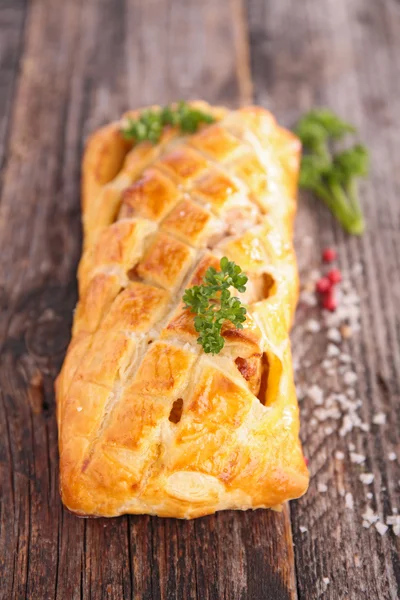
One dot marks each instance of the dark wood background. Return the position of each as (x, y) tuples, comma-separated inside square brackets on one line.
[(67, 67)]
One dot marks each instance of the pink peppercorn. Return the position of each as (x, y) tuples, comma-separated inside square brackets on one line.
[(329, 301), (334, 276), (323, 285), (329, 255)]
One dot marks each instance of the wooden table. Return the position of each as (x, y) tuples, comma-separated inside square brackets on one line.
[(67, 67)]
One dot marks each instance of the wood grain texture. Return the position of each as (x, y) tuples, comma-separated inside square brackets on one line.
[(345, 55), (82, 64), (65, 69), (11, 26)]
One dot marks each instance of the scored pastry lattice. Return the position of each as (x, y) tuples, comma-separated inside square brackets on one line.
[(148, 422)]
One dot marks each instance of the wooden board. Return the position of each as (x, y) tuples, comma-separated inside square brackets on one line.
[(65, 69), (83, 63)]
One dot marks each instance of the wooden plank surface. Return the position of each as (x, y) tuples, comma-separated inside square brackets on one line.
[(83, 63), (68, 67), (11, 26), (345, 54)]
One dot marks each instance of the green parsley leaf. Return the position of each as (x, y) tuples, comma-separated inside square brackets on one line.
[(332, 176), (322, 123), (212, 304), (150, 123), (352, 163)]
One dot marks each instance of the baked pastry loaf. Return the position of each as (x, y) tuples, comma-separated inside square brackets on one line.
[(149, 423)]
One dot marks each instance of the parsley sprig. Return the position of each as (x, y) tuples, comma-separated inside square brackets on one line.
[(213, 304), (150, 123), (332, 176)]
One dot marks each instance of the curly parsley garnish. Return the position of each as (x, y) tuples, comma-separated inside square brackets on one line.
[(332, 176), (213, 304), (150, 123)]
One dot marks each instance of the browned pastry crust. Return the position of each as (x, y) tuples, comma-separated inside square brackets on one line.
[(148, 423)]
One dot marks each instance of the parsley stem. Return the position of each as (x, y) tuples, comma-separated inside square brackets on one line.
[(352, 194), (344, 207), (332, 175)]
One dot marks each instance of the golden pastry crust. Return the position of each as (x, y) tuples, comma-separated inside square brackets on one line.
[(148, 423)]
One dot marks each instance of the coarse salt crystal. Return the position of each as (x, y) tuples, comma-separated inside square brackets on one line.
[(366, 524), (381, 528), (303, 529), (379, 419), (316, 394), (345, 358), (350, 377), (370, 516), (79, 408), (333, 335), (328, 430), (313, 326), (370, 495), (394, 522), (393, 519), (349, 501), (326, 580), (347, 425), (332, 350), (308, 298), (339, 455), (323, 414), (352, 298), (358, 459), (322, 488), (357, 269), (315, 275), (392, 456), (367, 478)]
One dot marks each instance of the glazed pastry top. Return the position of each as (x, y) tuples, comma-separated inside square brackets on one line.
[(149, 423)]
